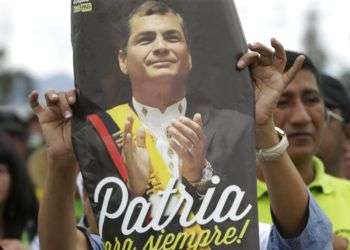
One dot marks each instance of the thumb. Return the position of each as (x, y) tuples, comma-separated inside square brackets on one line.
[(197, 118), (141, 138)]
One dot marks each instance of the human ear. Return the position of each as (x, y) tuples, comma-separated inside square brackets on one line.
[(123, 62), (189, 61)]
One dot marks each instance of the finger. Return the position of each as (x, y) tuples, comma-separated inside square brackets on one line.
[(250, 58), (297, 65), (197, 118), (128, 127), (119, 142), (266, 53), (127, 147), (141, 138), (197, 128), (34, 102), (51, 98), (186, 131), (71, 96), (180, 138), (117, 135), (181, 151), (64, 106), (280, 55)]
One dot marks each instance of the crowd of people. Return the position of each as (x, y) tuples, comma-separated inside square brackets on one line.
[(303, 191)]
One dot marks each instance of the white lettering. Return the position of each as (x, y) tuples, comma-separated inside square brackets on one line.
[(184, 205)]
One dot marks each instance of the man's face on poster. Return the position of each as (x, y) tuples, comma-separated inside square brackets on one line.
[(156, 50)]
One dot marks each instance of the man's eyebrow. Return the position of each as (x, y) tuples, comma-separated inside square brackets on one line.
[(308, 91), (311, 91), (172, 32), (144, 33)]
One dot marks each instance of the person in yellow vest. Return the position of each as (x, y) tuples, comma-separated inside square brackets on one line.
[(301, 114), (157, 61)]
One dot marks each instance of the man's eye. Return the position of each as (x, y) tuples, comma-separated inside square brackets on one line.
[(173, 39), (144, 41), (312, 99), (282, 104)]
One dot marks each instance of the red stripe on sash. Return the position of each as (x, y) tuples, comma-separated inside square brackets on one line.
[(110, 145)]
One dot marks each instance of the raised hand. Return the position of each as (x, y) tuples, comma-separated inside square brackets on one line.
[(55, 121), (189, 142), (267, 68), (136, 158)]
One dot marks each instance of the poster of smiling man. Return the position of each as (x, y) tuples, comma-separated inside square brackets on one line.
[(164, 127)]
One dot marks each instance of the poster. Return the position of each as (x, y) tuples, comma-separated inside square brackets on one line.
[(194, 184)]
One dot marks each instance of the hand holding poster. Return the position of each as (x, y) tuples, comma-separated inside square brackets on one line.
[(160, 167), (168, 161)]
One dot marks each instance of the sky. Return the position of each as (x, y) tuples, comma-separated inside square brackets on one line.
[(36, 33)]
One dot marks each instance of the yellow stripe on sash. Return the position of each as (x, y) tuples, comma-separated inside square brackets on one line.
[(160, 171)]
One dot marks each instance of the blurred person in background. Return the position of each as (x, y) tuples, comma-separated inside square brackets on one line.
[(333, 143), (346, 164), (17, 130), (301, 114), (18, 205), (24, 130)]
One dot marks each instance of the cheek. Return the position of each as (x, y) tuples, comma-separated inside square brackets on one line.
[(137, 55), (318, 117), (180, 50), (280, 118), (5, 184), (319, 122)]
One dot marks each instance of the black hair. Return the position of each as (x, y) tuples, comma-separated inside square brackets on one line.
[(21, 207), (335, 95), (307, 65), (147, 8)]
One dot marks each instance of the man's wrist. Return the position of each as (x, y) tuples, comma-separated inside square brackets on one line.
[(266, 135), (276, 151), (193, 174), (62, 161), (206, 175)]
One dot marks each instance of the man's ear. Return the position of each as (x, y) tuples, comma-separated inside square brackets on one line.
[(123, 61), (189, 62)]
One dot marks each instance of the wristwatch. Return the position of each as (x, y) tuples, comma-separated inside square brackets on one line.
[(207, 174), (275, 152)]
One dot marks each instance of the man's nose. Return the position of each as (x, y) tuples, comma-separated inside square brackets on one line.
[(299, 114), (160, 47)]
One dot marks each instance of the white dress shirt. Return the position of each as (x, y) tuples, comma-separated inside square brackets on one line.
[(157, 122)]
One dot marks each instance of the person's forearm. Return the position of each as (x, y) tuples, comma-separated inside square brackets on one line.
[(287, 191), (57, 226)]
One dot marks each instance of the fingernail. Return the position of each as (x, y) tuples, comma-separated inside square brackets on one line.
[(71, 99), (67, 114), (54, 96), (240, 64)]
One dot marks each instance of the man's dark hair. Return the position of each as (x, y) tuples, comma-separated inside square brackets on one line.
[(307, 65), (335, 95), (148, 8)]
